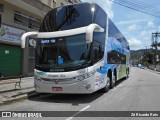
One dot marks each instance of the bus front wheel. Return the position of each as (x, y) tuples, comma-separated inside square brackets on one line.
[(106, 88)]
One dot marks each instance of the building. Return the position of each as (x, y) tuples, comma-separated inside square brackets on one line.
[(57, 3), (18, 17)]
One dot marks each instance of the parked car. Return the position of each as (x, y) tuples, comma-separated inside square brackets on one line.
[(142, 67)]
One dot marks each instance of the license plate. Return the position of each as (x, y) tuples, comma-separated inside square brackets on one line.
[(57, 89)]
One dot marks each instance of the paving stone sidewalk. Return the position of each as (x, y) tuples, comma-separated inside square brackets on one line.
[(9, 94)]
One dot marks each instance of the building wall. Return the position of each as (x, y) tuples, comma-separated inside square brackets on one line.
[(58, 3), (28, 10), (8, 14), (49, 3), (10, 50)]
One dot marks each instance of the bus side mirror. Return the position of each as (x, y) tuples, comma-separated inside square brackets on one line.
[(89, 32)]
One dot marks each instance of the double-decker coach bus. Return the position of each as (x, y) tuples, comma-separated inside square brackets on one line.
[(78, 50)]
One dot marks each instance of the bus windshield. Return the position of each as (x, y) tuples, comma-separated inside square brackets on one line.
[(63, 52)]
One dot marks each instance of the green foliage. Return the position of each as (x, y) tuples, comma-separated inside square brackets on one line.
[(144, 56)]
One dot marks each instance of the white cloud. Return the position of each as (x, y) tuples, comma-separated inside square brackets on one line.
[(150, 24), (147, 33), (144, 33), (157, 29), (146, 38), (133, 27), (105, 4), (131, 21), (135, 43)]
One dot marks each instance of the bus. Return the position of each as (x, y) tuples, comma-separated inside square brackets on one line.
[(78, 51)]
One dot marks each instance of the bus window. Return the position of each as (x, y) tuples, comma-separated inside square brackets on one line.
[(97, 52), (115, 57)]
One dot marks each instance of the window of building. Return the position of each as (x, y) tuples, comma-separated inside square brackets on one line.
[(62, 3), (25, 20), (54, 1), (33, 23), (18, 17), (1, 8)]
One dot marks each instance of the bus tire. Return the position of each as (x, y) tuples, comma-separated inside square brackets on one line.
[(112, 82), (105, 89), (115, 74), (127, 73), (107, 86)]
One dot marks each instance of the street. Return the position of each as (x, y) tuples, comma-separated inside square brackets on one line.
[(140, 92)]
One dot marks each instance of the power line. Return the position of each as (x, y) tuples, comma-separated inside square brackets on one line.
[(133, 8), (139, 10), (141, 5)]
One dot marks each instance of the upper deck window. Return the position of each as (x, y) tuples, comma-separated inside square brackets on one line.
[(67, 17)]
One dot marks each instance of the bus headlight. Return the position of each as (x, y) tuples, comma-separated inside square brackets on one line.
[(84, 76), (36, 77)]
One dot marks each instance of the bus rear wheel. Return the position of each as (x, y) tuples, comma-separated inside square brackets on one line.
[(127, 73), (112, 82)]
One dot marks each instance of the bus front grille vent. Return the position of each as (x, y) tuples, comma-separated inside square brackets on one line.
[(60, 81)]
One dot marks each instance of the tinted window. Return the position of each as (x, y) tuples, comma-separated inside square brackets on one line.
[(62, 52), (100, 18), (115, 57), (114, 32), (67, 17), (98, 51)]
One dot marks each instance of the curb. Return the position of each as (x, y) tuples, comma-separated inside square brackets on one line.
[(19, 97), (152, 71), (11, 100), (33, 94)]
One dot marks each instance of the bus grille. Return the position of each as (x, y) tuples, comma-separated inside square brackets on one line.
[(60, 81)]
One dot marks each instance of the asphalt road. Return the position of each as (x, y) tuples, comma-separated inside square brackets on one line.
[(140, 92)]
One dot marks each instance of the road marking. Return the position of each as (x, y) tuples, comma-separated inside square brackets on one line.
[(70, 118)]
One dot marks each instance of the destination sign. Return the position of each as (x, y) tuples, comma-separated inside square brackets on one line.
[(48, 41)]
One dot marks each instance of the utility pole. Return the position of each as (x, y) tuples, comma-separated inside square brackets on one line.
[(155, 45), (146, 57)]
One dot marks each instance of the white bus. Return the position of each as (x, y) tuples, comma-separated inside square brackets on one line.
[(78, 51)]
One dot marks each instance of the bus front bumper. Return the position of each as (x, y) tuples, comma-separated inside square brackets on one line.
[(80, 87)]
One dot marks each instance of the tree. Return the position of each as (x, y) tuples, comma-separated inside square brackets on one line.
[(150, 57)]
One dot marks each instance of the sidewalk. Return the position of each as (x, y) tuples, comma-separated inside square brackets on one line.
[(152, 70), (8, 94)]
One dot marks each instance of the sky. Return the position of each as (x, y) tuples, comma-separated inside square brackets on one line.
[(137, 27)]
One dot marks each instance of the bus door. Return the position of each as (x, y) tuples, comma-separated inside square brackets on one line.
[(98, 53)]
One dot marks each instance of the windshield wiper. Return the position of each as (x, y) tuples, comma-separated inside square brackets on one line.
[(86, 63)]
